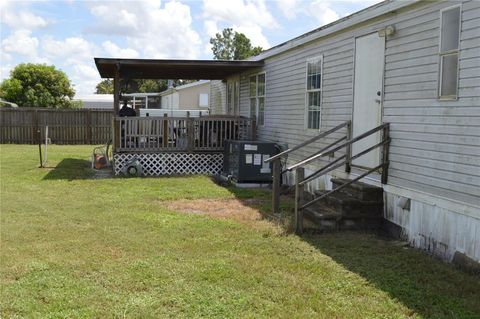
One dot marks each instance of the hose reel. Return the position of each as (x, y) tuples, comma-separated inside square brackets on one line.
[(132, 168)]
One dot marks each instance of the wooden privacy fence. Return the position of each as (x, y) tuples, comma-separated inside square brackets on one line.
[(84, 126)]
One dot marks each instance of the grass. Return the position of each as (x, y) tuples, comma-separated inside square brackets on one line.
[(73, 246)]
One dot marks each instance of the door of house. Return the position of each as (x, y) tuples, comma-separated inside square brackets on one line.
[(367, 97)]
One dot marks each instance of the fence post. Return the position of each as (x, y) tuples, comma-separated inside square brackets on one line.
[(348, 151), (299, 176), (277, 167), (386, 137)]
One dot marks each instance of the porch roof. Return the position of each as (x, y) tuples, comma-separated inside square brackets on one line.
[(172, 69)]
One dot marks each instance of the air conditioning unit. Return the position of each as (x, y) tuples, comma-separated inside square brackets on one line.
[(244, 161)]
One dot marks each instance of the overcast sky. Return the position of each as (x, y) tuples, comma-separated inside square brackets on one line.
[(69, 34)]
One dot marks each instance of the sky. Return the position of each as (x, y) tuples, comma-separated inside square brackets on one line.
[(70, 33)]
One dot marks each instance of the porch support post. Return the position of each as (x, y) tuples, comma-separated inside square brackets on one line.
[(116, 91), (165, 130)]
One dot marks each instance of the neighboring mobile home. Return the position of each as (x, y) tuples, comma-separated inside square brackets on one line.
[(413, 64)]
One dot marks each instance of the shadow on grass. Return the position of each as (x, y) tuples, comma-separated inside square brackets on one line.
[(427, 286), (70, 169), (261, 199)]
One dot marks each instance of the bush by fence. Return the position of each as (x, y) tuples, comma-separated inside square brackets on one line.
[(84, 126)]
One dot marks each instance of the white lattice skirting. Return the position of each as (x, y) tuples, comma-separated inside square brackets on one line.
[(158, 164)]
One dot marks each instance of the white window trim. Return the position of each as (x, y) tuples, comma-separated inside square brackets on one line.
[(257, 97), (309, 60), (446, 53)]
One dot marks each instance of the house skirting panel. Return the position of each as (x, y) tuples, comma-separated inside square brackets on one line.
[(164, 164), (438, 230)]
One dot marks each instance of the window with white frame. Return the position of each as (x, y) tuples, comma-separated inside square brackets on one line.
[(257, 98), (233, 89), (449, 51), (314, 92)]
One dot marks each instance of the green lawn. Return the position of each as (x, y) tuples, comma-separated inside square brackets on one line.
[(73, 246)]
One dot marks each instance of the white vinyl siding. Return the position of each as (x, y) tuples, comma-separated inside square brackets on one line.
[(313, 95), (449, 52), (434, 146)]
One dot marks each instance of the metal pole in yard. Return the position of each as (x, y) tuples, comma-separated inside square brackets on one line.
[(40, 147)]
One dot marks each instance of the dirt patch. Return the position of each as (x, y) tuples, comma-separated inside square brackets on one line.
[(240, 210)]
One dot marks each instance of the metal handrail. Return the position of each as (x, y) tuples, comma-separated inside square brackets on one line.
[(301, 180), (313, 201), (333, 150), (317, 173), (322, 150), (309, 141)]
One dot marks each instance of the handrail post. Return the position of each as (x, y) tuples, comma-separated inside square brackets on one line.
[(277, 168), (386, 137), (348, 151), (299, 176), (165, 130)]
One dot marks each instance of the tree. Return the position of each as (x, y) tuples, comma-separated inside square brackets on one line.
[(38, 85), (137, 86), (232, 45), (104, 87), (152, 86)]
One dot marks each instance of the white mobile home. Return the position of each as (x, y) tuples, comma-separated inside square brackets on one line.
[(412, 64)]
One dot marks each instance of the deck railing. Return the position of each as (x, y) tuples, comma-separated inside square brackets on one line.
[(179, 134)]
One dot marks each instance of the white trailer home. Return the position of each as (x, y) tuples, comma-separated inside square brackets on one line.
[(412, 64)]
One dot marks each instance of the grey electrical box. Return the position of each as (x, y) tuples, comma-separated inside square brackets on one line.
[(244, 161)]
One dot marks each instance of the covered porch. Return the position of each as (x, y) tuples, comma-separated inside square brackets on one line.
[(169, 145)]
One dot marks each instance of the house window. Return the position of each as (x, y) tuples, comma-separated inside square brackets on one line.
[(233, 89), (449, 51), (314, 92), (257, 98), (203, 100)]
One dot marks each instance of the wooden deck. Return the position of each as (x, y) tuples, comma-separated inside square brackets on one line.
[(179, 134)]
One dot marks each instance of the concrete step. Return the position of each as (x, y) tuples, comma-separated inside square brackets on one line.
[(359, 190), (347, 205)]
